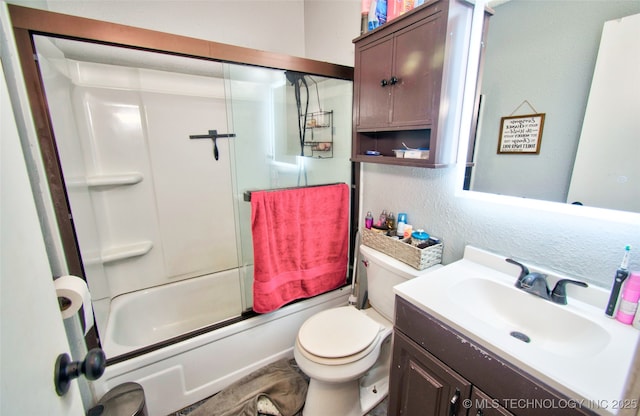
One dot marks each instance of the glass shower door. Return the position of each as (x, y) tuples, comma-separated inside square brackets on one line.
[(159, 216), (153, 209)]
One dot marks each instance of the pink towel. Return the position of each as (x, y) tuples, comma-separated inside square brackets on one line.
[(300, 243)]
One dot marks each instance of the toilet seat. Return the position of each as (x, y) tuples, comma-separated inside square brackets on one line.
[(338, 336)]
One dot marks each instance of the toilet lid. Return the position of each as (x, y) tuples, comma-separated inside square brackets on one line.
[(338, 332)]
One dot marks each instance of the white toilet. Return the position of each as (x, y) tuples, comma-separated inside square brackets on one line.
[(346, 352)]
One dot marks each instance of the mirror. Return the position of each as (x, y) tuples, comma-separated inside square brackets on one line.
[(540, 58)]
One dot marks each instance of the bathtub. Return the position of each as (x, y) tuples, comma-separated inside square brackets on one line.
[(186, 372), (145, 317)]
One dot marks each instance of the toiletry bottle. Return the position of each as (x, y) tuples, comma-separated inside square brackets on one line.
[(364, 13), (373, 19), (381, 12), (401, 220), (368, 220), (400, 229), (621, 275), (629, 299), (382, 220), (408, 229), (391, 221)]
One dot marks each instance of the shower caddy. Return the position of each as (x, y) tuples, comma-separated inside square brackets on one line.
[(319, 135)]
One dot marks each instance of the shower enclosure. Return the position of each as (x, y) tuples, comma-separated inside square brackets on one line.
[(156, 153)]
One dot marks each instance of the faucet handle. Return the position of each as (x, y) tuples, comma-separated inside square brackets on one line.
[(524, 271), (559, 293)]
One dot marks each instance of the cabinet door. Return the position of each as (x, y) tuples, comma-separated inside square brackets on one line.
[(373, 63), (421, 385), (418, 62), (483, 405)]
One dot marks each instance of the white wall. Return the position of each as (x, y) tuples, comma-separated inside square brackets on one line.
[(316, 29), (330, 25)]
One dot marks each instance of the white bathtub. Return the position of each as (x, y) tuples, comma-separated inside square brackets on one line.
[(186, 372), (145, 317)]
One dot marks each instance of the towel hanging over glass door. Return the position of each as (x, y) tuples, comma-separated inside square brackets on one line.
[(300, 243)]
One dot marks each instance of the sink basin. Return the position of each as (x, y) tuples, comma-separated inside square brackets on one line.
[(531, 319), (574, 348)]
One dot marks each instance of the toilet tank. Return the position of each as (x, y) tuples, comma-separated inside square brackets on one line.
[(383, 273)]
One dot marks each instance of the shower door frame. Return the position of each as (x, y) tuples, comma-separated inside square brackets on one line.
[(28, 22)]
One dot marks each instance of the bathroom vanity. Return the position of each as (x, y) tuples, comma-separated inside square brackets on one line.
[(444, 368), (464, 346)]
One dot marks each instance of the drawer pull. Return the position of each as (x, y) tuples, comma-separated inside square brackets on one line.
[(453, 407)]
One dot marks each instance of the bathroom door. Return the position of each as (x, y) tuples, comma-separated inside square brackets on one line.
[(32, 332)]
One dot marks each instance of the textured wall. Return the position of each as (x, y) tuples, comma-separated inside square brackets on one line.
[(580, 247)]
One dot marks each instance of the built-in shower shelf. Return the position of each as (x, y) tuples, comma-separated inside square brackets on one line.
[(122, 252), (130, 178)]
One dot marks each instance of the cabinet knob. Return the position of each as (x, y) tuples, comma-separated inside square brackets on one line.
[(384, 83), (393, 81)]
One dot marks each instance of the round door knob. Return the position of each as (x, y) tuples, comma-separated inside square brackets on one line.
[(66, 370), (393, 81), (384, 83)]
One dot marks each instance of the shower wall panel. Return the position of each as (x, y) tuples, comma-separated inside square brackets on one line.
[(150, 205), (114, 145), (193, 190)]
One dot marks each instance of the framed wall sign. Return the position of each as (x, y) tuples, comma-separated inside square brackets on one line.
[(521, 134)]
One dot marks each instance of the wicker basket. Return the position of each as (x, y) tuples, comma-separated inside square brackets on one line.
[(399, 249)]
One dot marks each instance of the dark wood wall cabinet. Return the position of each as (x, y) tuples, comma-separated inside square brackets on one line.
[(404, 71), (436, 371)]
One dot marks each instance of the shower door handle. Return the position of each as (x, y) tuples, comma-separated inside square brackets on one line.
[(216, 154), (213, 135)]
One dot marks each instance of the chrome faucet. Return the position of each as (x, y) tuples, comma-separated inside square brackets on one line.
[(536, 284)]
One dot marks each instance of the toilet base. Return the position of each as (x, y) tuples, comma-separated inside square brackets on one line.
[(374, 386), (345, 399), (351, 398)]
